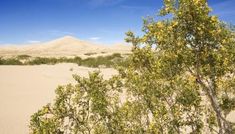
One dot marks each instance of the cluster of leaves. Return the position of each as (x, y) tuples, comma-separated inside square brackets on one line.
[(106, 61), (180, 79)]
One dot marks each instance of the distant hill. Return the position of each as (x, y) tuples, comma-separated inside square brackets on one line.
[(65, 46)]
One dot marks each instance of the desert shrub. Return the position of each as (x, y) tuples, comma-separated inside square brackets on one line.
[(90, 54), (52, 61), (63, 59), (1, 61), (100, 60), (10, 61), (41, 60), (107, 61), (116, 55), (23, 57), (89, 62), (77, 60)]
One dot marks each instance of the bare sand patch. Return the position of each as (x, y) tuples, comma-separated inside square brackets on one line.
[(25, 89)]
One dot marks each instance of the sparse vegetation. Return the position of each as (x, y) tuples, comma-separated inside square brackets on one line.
[(10, 61), (90, 54), (105, 61), (23, 57), (41, 60)]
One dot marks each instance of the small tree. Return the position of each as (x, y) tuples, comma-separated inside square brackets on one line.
[(193, 49)]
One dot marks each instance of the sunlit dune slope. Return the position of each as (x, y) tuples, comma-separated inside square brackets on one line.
[(65, 46)]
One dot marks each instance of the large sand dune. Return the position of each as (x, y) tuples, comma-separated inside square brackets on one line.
[(25, 89), (65, 46)]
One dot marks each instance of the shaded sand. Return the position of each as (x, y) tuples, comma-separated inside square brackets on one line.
[(25, 89)]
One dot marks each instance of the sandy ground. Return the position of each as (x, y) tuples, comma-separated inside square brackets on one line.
[(25, 89)]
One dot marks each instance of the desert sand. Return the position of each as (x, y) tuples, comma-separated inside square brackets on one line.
[(25, 89)]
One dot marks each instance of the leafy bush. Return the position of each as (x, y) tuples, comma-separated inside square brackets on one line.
[(1, 61), (10, 61), (40, 60), (107, 61), (116, 55), (77, 60), (89, 62)]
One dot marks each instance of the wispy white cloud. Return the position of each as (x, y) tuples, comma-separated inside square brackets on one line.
[(33, 41), (95, 38)]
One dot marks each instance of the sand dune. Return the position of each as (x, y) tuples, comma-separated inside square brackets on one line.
[(65, 46), (25, 89)]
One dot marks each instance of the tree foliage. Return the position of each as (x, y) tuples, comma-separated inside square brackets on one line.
[(180, 79)]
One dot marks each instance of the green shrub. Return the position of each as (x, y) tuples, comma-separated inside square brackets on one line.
[(107, 61), (89, 62), (89, 54), (40, 60), (117, 55), (1, 61), (24, 56), (10, 61), (77, 60)]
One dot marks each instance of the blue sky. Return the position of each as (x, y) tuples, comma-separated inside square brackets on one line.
[(102, 21)]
